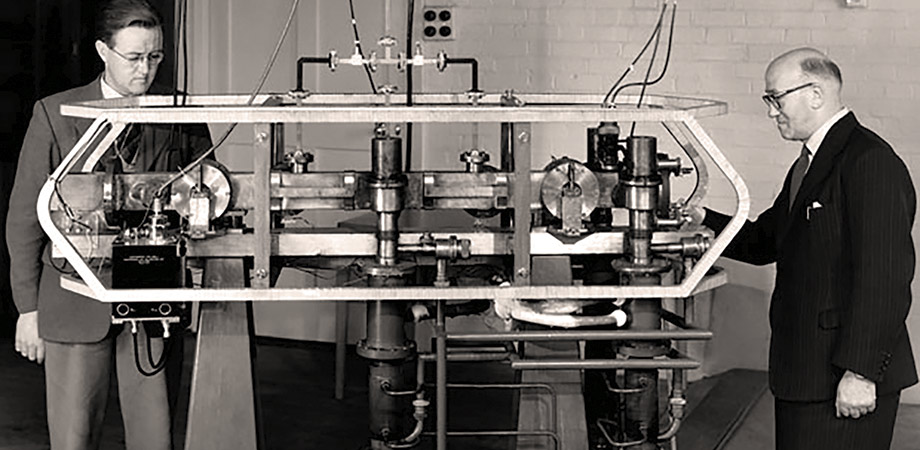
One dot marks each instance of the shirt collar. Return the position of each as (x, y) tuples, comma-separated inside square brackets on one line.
[(107, 91), (814, 142)]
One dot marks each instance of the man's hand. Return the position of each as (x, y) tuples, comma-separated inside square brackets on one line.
[(694, 215), (855, 396), (28, 344)]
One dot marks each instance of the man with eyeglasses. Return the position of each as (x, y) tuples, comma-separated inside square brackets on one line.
[(70, 333), (839, 233)]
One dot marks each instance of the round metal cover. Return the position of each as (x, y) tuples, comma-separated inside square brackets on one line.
[(561, 172), (211, 174)]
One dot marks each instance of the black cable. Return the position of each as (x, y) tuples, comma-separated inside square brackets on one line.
[(252, 97), (409, 17), (184, 51), (667, 60), (354, 26), (648, 73), (177, 26), (157, 368), (632, 65)]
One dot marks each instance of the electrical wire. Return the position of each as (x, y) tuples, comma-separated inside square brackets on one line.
[(354, 26), (648, 73), (156, 368), (664, 69), (184, 51), (632, 65), (252, 97), (409, 25)]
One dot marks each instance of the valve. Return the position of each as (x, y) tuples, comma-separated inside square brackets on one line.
[(475, 159)]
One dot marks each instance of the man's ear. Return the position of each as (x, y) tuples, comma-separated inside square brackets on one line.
[(818, 96), (102, 50)]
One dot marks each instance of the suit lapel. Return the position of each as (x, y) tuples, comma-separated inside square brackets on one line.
[(824, 161)]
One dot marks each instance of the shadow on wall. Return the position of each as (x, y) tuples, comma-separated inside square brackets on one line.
[(739, 320)]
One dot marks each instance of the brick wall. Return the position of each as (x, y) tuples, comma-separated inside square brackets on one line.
[(721, 48)]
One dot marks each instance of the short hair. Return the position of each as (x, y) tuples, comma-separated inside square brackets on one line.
[(116, 15), (823, 68)]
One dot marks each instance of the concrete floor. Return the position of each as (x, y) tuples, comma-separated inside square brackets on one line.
[(756, 431), (299, 411)]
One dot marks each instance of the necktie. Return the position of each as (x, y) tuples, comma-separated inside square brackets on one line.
[(798, 173), (127, 146)]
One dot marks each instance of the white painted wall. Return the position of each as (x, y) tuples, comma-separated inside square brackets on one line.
[(721, 49)]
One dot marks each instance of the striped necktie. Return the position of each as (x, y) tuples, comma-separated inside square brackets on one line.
[(798, 173)]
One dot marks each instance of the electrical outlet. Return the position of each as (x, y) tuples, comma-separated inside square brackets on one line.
[(856, 3), (438, 23)]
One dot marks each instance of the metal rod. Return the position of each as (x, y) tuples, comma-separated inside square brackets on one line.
[(468, 357), (606, 364), (674, 319), (341, 330), (550, 434), (690, 334), (441, 377)]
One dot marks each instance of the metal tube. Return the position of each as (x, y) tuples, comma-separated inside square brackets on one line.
[(341, 333), (308, 60), (606, 364), (387, 237), (384, 325), (441, 377), (642, 156), (474, 70), (691, 334), (469, 357), (550, 434)]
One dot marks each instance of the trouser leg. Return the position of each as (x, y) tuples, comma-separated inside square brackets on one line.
[(143, 399), (815, 425), (77, 380)]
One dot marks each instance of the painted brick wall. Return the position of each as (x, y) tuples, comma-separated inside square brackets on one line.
[(721, 48)]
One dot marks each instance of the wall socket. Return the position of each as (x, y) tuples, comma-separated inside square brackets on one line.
[(438, 23)]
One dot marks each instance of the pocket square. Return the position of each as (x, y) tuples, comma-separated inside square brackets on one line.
[(814, 206)]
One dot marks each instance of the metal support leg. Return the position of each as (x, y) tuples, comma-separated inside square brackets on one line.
[(341, 333)]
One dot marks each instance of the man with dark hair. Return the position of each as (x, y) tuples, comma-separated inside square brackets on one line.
[(72, 334), (840, 235)]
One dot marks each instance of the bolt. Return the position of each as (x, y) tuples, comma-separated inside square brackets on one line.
[(261, 137), (524, 137), (261, 273), (523, 273)]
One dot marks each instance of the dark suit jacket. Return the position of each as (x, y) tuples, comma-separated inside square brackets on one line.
[(64, 316), (844, 263)]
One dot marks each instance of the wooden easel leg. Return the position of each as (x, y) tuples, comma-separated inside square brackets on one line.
[(222, 409)]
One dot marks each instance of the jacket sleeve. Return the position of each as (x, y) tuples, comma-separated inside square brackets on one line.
[(25, 238), (199, 140), (880, 205), (755, 243)]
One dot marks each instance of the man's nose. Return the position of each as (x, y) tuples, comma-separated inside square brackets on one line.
[(772, 111), (143, 67)]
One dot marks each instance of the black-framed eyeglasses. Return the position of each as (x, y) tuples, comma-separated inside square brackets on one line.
[(772, 99), (155, 57)]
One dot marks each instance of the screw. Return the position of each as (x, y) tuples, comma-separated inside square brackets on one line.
[(523, 273), (261, 273), (261, 137), (524, 137)]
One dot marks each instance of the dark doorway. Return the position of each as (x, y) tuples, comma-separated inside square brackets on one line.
[(46, 46)]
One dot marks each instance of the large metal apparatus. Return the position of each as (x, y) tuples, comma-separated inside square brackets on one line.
[(578, 252)]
